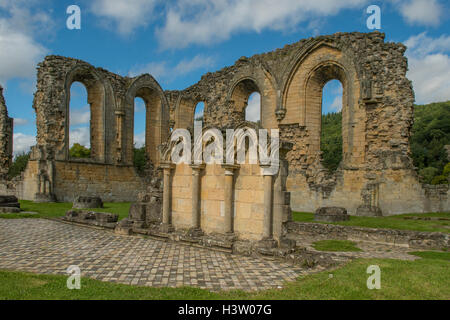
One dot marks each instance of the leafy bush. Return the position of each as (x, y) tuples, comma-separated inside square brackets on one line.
[(430, 133), (79, 151), (140, 159), (427, 174), (19, 165), (331, 140), (439, 180)]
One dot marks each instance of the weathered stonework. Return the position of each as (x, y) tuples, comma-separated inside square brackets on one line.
[(6, 138), (82, 202), (413, 239), (99, 219), (376, 175)]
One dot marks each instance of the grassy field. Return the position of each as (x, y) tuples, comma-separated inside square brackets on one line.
[(335, 245), (53, 210), (392, 222), (426, 278)]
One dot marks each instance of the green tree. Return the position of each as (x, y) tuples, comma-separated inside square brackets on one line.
[(140, 159), (427, 174), (331, 140), (19, 165), (79, 151)]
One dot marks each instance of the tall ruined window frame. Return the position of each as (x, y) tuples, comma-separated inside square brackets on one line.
[(96, 94), (334, 114), (153, 127), (316, 80), (240, 96)]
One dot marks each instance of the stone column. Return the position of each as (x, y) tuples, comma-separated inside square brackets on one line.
[(268, 203), (196, 214), (167, 191), (120, 115), (229, 190)]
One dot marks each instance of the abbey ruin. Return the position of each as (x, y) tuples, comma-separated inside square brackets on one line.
[(376, 175)]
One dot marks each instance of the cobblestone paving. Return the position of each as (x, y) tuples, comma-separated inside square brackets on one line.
[(50, 247)]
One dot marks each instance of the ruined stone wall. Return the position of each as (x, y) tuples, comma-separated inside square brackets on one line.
[(109, 172), (376, 171), (6, 138)]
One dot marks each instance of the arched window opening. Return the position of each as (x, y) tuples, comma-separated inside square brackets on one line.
[(79, 122), (199, 112), (139, 151), (253, 109), (247, 101), (331, 128), (146, 123)]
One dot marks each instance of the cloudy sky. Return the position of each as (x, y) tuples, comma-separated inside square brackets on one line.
[(179, 40)]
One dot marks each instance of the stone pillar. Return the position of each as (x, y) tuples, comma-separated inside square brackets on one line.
[(167, 191), (268, 203), (196, 213), (229, 191), (120, 115)]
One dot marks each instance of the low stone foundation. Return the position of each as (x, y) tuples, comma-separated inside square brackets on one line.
[(100, 219), (9, 204), (299, 232), (87, 202)]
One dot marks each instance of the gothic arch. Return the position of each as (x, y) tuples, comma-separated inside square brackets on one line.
[(157, 116), (96, 90)]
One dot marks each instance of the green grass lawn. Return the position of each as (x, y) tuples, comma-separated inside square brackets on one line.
[(59, 209), (391, 222), (335, 245), (426, 278)]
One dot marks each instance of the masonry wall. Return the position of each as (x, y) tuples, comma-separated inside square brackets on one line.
[(376, 170), (248, 200), (6, 138), (111, 183)]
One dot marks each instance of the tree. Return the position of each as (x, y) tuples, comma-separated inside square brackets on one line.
[(19, 165), (331, 140), (79, 151), (140, 159)]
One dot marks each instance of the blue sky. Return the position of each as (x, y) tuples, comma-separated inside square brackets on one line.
[(177, 41)]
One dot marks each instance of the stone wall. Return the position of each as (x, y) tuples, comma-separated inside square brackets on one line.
[(111, 183), (248, 204), (301, 232), (109, 172), (376, 169), (6, 138)]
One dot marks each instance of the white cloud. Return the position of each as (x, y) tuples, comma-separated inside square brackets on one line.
[(431, 78), (421, 44), (336, 106), (80, 116), (429, 67), (424, 12), (253, 110), (20, 52), (139, 140), (81, 136), (22, 143), (162, 71), (201, 22), (126, 14), (20, 122)]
